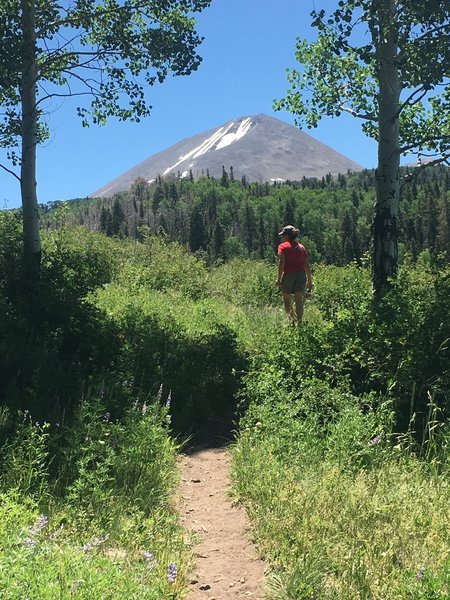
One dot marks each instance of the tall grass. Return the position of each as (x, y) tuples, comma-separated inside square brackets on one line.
[(342, 458), (86, 509)]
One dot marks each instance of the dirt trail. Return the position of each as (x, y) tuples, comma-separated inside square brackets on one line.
[(227, 563)]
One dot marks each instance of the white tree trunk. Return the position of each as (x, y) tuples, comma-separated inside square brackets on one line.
[(32, 241), (385, 230)]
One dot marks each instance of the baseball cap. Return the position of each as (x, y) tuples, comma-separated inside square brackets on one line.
[(288, 229)]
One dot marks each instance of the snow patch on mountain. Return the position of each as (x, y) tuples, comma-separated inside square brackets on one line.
[(229, 138), (220, 139)]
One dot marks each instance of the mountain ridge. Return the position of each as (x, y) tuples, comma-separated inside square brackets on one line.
[(259, 148)]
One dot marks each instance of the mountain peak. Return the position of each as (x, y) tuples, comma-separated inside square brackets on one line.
[(259, 147)]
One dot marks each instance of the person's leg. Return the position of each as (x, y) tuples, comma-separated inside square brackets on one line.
[(287, 299), (299, 301)]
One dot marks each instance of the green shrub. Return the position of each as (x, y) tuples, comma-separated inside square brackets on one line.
[(10, 254), (159, 265), (181, 344), (245, 282), (84, 508)]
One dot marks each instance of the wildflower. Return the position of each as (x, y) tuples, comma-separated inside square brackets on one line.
[(42, 522), (169, 398), (420, 573), (57, 533), (159, 394), (376, 439), (106, 417), (25, 415), (172, 574), (144, 409), (151, 562), (94, 543)]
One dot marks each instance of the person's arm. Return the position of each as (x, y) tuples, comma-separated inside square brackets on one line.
[(309, 282), (281, 260)]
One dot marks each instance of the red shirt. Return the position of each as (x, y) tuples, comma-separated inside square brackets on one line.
[(295, 256)]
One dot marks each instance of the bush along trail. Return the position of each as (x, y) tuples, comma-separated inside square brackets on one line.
[(123, 350)]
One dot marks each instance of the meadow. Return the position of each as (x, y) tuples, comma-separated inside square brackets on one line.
[(125, 347)]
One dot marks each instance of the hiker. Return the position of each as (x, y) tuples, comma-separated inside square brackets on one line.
[(294, 273)]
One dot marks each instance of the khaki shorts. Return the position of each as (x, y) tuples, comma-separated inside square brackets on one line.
[(294, 282)]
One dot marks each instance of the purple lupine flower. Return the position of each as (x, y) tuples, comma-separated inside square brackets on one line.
[(94, 543), (57, 533), (169, 399), (42, 522), (172, 573), (106, 417), (159, 394), (144, 409), (420, 573), (151, 562), (376, 439)]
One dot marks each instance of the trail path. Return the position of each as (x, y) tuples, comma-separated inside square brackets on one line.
[(227, 563)]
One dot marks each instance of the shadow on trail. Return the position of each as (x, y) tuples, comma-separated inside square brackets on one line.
[(217, 433)]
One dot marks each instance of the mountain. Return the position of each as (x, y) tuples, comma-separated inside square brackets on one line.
[(260, 148)]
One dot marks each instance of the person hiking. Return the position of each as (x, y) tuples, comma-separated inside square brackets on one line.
[(294, 273)]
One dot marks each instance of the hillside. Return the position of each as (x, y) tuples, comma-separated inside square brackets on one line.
[(225, 218), (259, 148)]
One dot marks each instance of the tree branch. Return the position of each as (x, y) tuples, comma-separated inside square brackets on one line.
[(424, 141), (11, 172), (409, 102)]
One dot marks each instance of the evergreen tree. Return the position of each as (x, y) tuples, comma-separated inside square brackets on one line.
[(118, 222), (249, 227), (197, 232), (289, 212), (158, 197), (443, 236), (218, 239), (262, 242), (103, 221), (431, 217), (224, 179)]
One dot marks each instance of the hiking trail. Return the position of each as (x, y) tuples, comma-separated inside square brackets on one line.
[(227, 564)]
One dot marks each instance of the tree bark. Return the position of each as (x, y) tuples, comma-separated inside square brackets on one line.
[(385, 228), (32, 241)]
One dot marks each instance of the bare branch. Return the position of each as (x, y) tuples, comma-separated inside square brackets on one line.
[(11, 172), (354, 113)]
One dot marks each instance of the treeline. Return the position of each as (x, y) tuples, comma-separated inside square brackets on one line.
[(224, 218)]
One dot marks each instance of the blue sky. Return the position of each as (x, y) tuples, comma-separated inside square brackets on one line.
[(248, 45)]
